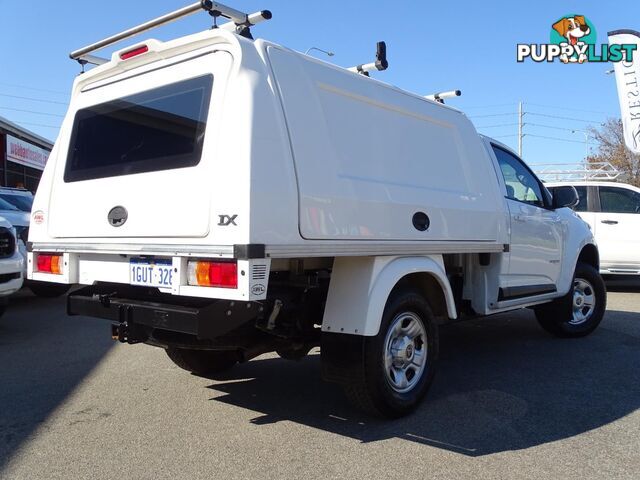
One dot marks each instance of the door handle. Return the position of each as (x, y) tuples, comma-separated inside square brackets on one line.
[(609, 222), (519, 218)]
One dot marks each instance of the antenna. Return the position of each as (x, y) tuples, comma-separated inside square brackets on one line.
[(439, 97), (380, 64)]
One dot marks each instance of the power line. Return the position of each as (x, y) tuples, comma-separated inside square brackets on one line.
[(552, 138), (494, 115), (562, 118), (498, 125), (32, 111), (33, 99), (57, 127), (555, 107), (553, 127), (505, 136), (34, 88), (491, 106)]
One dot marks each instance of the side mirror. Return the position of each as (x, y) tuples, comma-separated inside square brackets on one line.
[(564, 196)]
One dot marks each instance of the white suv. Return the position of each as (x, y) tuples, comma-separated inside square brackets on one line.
[(11, 263), (612, 210)]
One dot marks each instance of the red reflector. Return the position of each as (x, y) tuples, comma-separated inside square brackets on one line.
[(133, 52), (223, 274), (49, 263), (44, 263)]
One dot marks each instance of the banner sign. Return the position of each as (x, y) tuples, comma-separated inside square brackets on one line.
[(627, 79), (25, 153)]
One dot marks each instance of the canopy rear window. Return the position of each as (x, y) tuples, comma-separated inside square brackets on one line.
[(159, 129)]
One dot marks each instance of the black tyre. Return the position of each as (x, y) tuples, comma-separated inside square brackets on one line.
[(202, 362), (48, 290), (581, 311), (399, 362)]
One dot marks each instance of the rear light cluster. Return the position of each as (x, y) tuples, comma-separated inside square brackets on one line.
[(213, 274), (48, 263)]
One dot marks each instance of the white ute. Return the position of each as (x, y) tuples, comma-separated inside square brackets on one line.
[(221, 197)]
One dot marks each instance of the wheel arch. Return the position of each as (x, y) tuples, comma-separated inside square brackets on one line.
[(590, 255), (361, 286)]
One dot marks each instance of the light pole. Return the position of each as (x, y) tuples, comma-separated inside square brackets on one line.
[(329, 54)]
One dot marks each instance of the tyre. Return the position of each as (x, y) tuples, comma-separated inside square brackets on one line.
[(400, 362), (581, 311), (48, 290), (3, 308), (202, 362)]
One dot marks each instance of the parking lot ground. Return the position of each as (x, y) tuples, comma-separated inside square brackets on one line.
[(509, 402)]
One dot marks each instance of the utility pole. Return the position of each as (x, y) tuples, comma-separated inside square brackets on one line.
[(586, 143), (520, 124)]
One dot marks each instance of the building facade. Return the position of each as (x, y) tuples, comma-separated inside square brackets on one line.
[(23, 154)]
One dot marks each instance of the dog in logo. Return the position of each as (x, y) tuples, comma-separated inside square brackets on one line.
[(573, 29)]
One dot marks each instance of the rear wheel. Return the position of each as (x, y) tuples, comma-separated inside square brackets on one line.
[(580, 313), (399, 362), (202, 362), (48, 290)]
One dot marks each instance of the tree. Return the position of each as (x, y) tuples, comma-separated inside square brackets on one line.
[(611, 148)]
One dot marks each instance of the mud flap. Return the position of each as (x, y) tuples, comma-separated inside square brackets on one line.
[(342, 357)]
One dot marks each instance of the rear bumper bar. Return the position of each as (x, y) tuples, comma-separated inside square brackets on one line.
[(135, 307)]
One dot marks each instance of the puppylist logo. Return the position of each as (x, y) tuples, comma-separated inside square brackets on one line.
[(573, 40)]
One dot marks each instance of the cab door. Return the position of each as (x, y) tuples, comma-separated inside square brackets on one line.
[(537, 232)]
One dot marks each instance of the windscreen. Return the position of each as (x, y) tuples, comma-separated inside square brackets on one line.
[(159, 129), (4, 205), (21, 202)]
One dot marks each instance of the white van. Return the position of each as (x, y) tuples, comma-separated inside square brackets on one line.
[(222, 197)]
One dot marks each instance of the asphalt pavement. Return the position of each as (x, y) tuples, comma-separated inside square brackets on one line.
[(509, 402)]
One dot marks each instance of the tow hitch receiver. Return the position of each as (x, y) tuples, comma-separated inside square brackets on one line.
[(120, 332), (138, 310)]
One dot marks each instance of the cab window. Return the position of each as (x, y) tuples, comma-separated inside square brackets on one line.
[(582, 196), (619, 200), (521, 184)]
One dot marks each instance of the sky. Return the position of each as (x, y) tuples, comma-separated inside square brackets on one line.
[(431, 47)]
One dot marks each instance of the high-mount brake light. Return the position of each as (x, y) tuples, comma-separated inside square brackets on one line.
[(48, 263), (213, 274), (134, 52)]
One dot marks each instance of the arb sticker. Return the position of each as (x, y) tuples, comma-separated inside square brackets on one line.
[(38, 217)]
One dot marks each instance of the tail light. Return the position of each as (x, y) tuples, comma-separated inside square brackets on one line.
[(47, 263), (134, 52), (213, 274)]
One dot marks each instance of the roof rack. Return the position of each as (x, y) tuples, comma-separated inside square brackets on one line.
[(556, 172), (440, 96), (240, 23), (381, 62)]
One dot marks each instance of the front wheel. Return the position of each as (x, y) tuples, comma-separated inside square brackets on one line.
[(580, 313), (399, 362)]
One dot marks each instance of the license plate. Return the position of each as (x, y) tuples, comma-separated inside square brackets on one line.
[(152, 273)]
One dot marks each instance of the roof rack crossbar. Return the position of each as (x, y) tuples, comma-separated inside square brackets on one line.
[(238, 20), (568, 172)]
